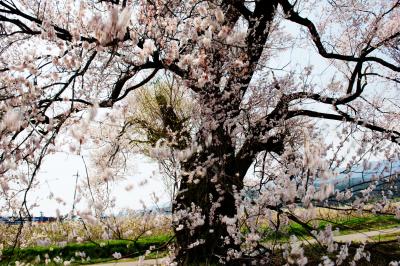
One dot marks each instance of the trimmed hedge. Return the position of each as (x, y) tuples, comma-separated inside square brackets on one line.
[(92, 250)]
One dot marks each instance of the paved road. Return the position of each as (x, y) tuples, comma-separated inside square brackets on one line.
[(359, 237), (160, 261), (365, 236)]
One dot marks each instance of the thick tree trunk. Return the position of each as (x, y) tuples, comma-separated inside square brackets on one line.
[(202, 207), (205, 208), (203, 245)]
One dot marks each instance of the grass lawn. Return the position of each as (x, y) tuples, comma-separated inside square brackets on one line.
[(98, 252)]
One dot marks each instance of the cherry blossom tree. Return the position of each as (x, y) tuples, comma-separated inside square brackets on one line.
[(63, 60)]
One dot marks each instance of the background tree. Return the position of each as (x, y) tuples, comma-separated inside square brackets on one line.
[(162, 117), (95, 54)]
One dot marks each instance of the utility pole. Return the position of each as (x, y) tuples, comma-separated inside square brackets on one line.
[(76, 186)]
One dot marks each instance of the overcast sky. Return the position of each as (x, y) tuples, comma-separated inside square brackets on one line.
[(58, 175)]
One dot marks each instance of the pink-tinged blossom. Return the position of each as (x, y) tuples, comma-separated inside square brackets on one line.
[(294, 253), (11, 120), (326, 261), (219, 15), (123, 21), (223, 33), (202, 10), (80, 254), (149, 46), (117, 255), (343, 254)]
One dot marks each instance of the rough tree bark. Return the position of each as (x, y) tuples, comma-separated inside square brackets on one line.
[(209, 182)]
